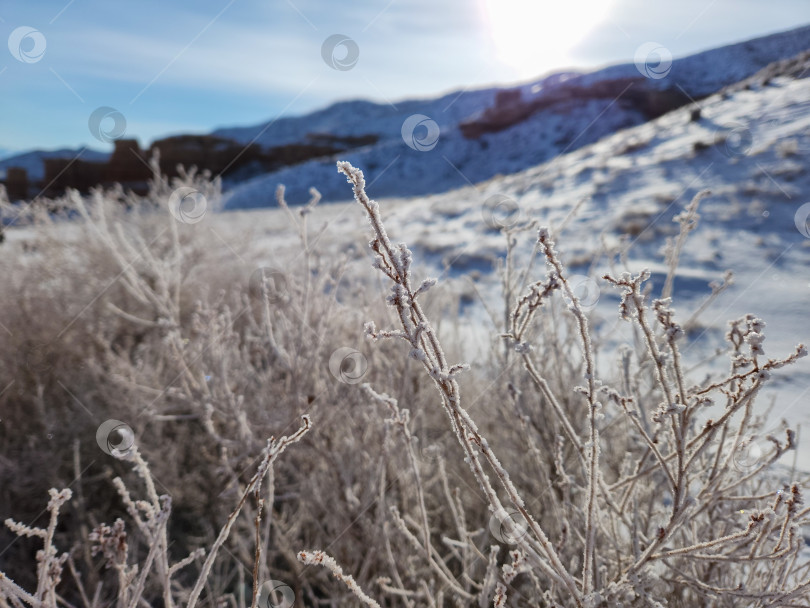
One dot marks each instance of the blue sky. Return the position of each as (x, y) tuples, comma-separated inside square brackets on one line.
[(176, 66)]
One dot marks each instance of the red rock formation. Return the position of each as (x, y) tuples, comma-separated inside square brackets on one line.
[(510, 109), (129, 166), (17, 184), (63, 173), (206, 152)]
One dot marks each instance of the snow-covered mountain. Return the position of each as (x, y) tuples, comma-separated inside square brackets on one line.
[(563, 112)]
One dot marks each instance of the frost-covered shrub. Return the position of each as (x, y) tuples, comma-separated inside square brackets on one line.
[(530, 477)]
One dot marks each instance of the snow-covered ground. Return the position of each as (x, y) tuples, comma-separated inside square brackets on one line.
[(750, 148)]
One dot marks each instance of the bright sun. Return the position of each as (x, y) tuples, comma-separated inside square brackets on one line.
[(534, 36)]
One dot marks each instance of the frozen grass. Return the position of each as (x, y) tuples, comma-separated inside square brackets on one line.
[(529, 478)]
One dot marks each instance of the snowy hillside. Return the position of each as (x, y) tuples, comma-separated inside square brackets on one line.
[(751, 148), (438, 157)]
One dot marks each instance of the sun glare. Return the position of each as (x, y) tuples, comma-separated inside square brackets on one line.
[(535, 36)]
